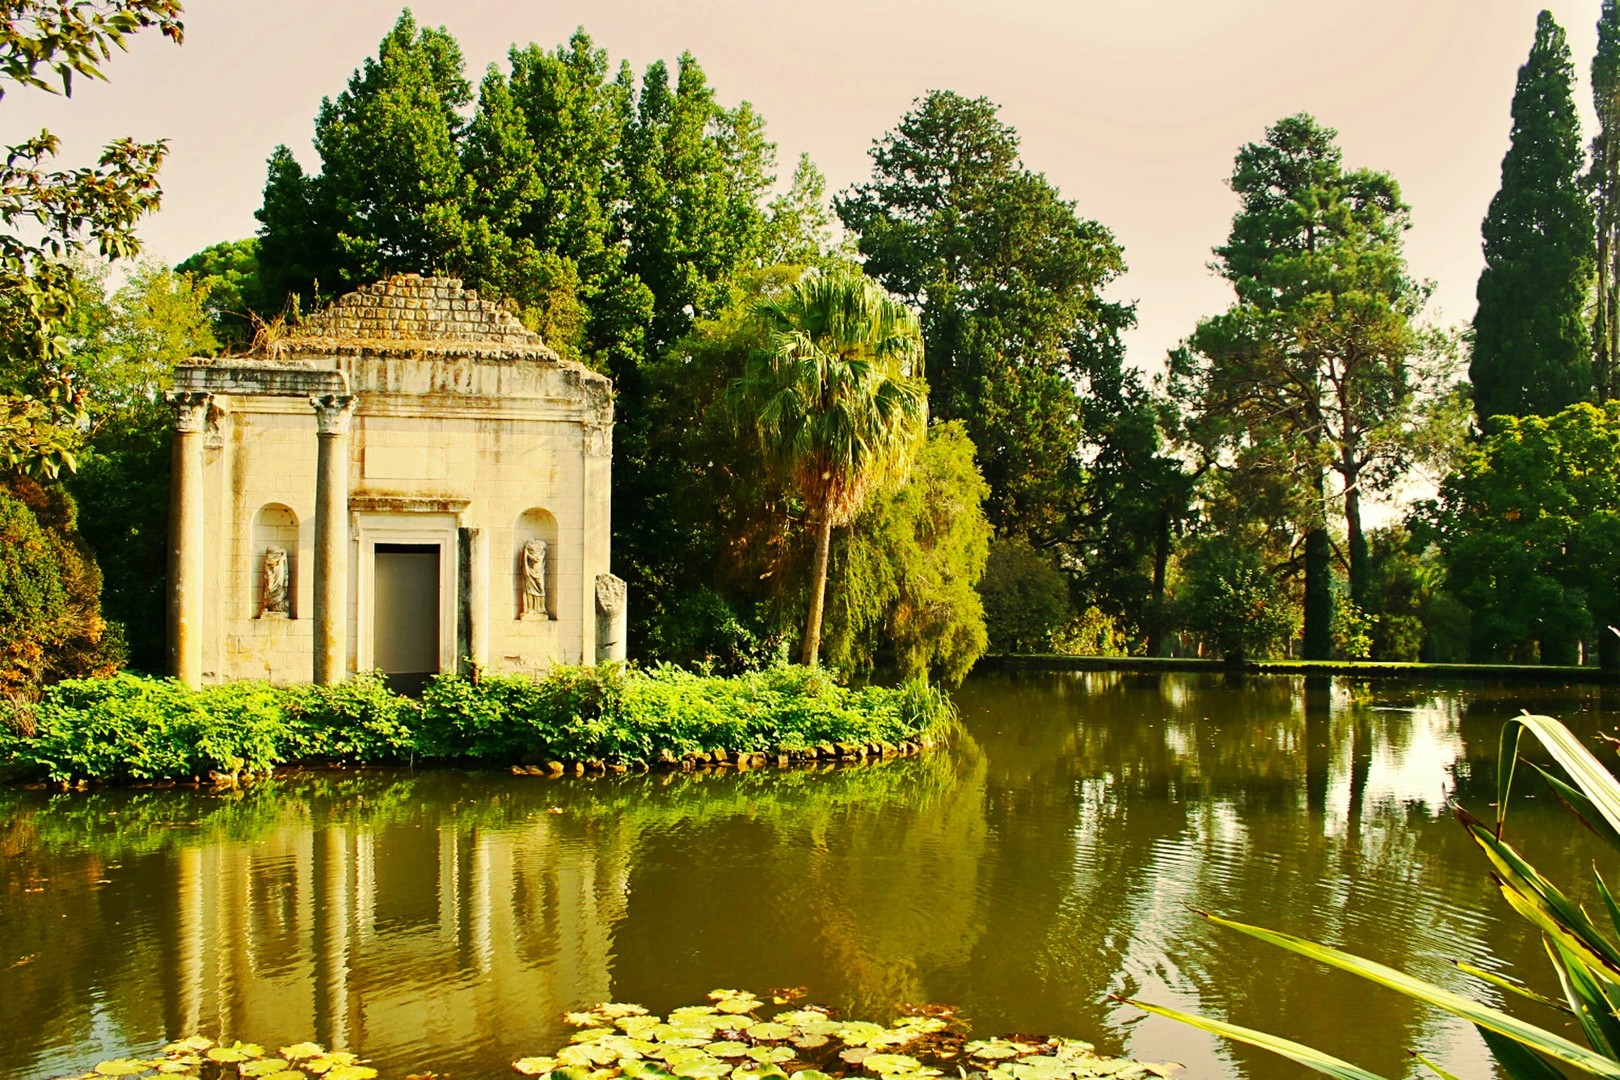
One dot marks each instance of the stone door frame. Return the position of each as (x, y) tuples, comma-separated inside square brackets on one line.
[(424, 529)]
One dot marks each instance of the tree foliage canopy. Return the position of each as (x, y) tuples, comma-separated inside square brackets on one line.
[(1531, 344), (1010, 281)]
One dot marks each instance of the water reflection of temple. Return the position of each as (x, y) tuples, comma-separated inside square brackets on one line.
[(401, 935)]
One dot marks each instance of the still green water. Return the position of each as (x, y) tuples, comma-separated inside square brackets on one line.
[(443, 920)]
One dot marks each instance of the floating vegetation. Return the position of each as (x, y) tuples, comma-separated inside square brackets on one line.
[(731, 1038), (200, 1056)]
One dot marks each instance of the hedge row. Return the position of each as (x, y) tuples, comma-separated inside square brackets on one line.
[(130, 728)]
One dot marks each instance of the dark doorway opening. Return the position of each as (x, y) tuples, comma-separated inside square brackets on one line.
[(405, 615)]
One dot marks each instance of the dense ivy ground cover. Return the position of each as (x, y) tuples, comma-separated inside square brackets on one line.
[(130, 728)]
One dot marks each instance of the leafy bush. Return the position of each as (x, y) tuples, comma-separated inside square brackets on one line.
[(360, 721), (133, 728)]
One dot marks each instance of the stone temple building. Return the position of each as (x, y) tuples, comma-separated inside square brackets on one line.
[(410, 483)]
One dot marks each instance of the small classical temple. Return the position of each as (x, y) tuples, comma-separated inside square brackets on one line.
[(411, 482)]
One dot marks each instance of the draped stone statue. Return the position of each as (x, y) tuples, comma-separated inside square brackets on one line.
[(534, 580), (273, 589)]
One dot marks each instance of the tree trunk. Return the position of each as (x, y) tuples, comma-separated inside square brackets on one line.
[(818, 590), (1318, 585), (1360, 561), (1603, 324), (1161, 563)]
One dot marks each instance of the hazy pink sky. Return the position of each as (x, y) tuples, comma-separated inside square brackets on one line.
[(1133, 109)]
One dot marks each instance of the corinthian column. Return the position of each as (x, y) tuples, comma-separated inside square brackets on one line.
[(333, 412), (186, 535)]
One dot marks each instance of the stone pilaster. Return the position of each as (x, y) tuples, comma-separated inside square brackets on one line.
[(186, 536), (333, 414)]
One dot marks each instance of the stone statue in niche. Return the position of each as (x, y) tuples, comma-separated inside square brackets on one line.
[(534, 580), (273, 589)]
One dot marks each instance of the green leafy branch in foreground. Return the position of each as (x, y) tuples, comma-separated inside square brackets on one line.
[(725, 1038), (1585, 955)]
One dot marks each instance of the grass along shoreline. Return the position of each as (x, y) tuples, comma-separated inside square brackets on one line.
[(130, 729)]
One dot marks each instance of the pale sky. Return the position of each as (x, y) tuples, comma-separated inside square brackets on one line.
[(1134, 109)]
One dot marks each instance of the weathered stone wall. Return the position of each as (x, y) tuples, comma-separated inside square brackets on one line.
[(466, 431), (411, 308)]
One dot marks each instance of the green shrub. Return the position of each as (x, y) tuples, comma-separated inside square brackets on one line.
[(132, 728), (360, 721)]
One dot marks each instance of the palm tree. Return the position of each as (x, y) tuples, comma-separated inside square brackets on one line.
[(836, 400)]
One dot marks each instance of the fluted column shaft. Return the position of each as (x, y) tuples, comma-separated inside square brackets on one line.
[(185, 613), (333, 413)]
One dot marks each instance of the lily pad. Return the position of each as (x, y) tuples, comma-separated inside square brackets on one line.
[(300, 1051), (769, 1054), (727, 1049), (534, 1066), (581, 1019), (769, 1030), (593, 1034), (122, 1067), (265, 1066), (702, 1070), (896, 1065), (740, 1005), (756, 1072), (644, 1070), (198, 1043), (861, 1032), (352, 1072), (615, 1010), (810, 1042)]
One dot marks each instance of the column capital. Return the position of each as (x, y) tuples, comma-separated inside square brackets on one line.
[(190, 409), (333, 412)]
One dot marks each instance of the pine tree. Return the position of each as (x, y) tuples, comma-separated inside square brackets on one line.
[(1532, 353), (1604, 179)]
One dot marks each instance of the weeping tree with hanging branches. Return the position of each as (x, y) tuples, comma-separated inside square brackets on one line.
[(837, 402)]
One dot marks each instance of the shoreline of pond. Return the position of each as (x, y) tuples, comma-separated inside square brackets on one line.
[(1146, 665)]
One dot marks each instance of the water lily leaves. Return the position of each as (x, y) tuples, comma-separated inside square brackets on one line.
[(810, 1042), (265, 1066), (580, 1019), (992, 1049), (727, 1049), (687, 1013), (122, 1067), (734, 1001), (351, 1072), (756, 1072), (639, 1027), (861, 1033), (239, 1052), (178, 1065), (198, 1043), (681, 1034), (589, 1054), (616, 1010), (644, 1070), (799, 1017), (300, 1051), (896, 1066), (531, 1066), (591, 1034), (765, 1029), (921, 1025), (855, 1054), (324, 1064), (706, 1068), (770, 1054)]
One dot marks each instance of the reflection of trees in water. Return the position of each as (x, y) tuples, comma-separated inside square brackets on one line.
[(1025, 874)]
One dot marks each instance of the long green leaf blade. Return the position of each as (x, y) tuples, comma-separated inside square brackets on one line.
[(1608, 899), (1581, 807), (1516, 1061), (1586, 772), (1432, 1067), (1311, 1058), (1593, 1009), (1510, 986), (1507, 756), (1543, 1041)]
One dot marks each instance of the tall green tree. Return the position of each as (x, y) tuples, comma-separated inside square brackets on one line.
[(1009, 280), (1603, 178), (1311, 371), (1530, 528), (390, 194), (228, 275), (835, 403), (1532, 347)]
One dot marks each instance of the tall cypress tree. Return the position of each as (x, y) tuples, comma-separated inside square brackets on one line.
[(1532, 353), (1604, 179)]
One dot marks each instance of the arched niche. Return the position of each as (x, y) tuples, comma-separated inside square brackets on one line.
[(534, 524), (274, 527)]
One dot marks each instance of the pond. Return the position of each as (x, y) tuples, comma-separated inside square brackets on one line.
[(444, 920)]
